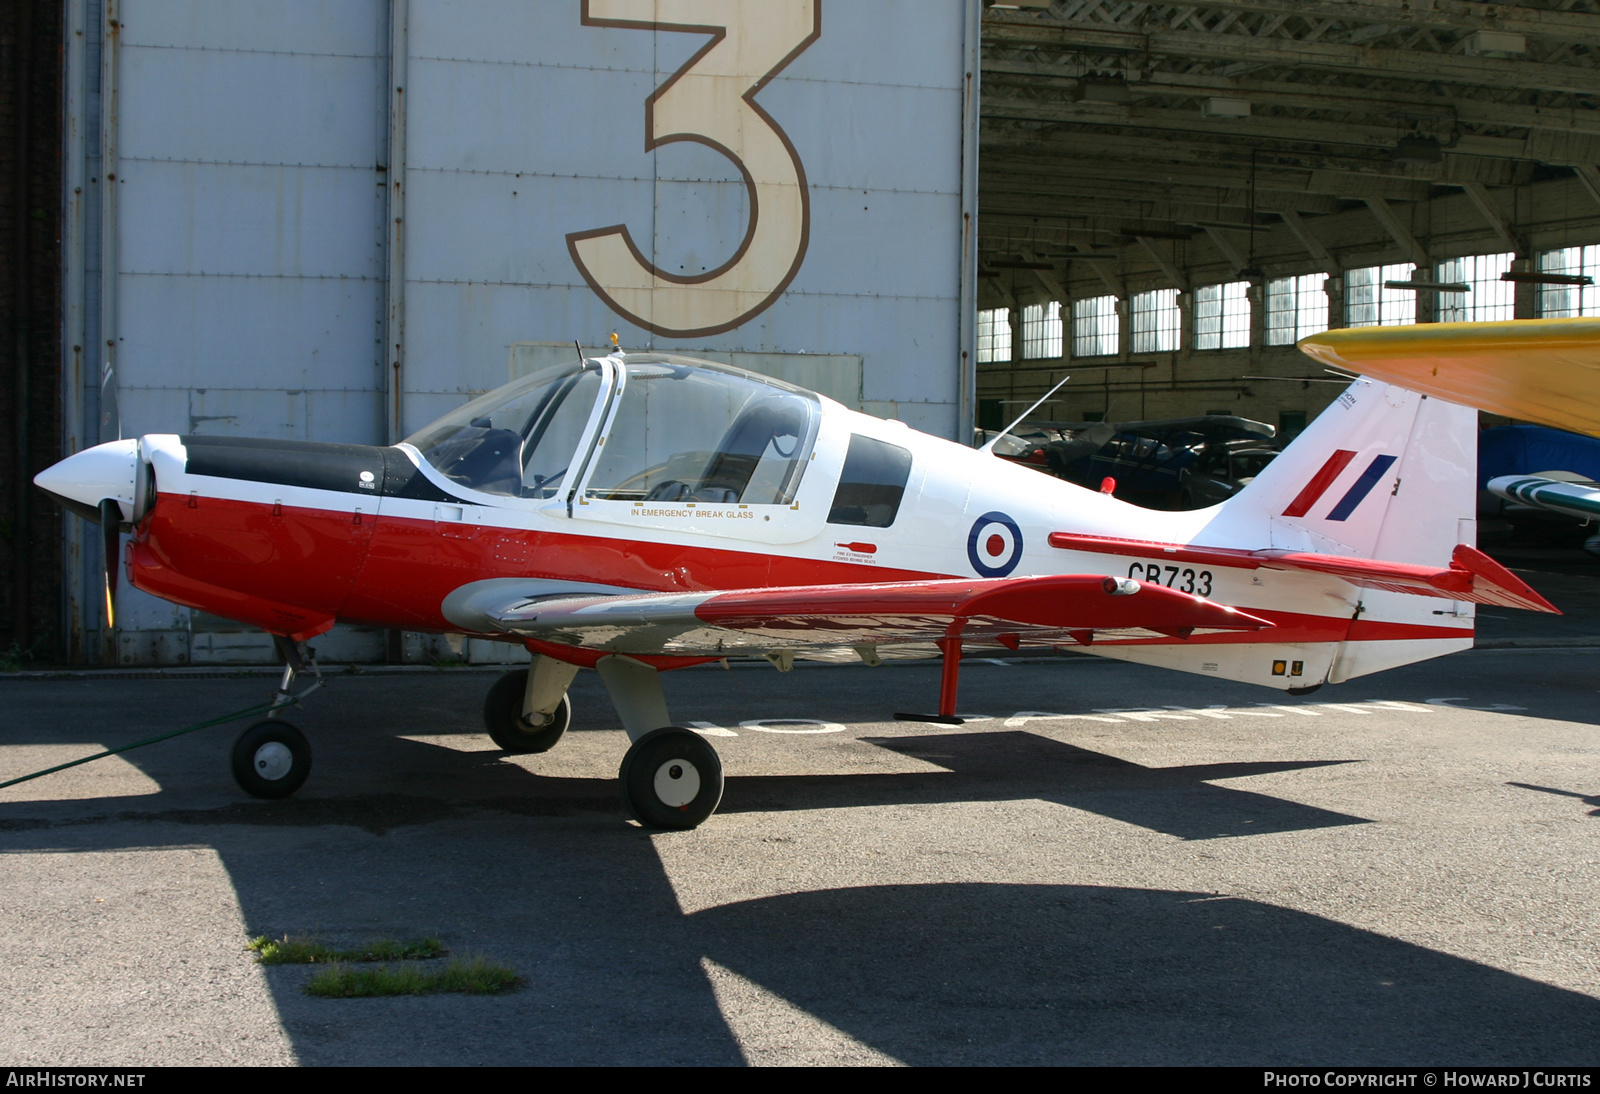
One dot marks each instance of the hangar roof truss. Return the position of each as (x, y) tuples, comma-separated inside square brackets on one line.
[(1299, 134)]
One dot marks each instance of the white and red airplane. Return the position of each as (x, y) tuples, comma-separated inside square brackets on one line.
[(636, 513)]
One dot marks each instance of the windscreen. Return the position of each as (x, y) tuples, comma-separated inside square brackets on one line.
[(519, 440)]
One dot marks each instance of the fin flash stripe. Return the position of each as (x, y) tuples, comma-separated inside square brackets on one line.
[(1319, 483), (1363, 486)]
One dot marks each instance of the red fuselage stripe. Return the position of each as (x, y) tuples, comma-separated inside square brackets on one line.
[(256, 562)]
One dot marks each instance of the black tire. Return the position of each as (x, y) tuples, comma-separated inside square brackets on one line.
[(271, 759), (502, 717), (671, 778)]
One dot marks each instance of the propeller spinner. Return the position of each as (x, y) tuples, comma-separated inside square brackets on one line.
[(106, 484)]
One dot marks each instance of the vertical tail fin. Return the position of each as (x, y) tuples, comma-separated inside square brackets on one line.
[(1382, 473), (1387, 474)]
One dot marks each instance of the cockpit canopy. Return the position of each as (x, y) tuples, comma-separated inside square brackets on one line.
[(648, 427)]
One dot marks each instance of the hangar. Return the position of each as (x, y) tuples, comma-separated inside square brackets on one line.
[(1166, 198), (1172, 194)]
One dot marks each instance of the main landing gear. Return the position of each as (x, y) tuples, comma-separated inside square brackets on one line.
[(527, 710), (671, 778), (515, 731), (272, 759)]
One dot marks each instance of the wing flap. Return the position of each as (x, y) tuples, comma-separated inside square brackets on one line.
[(1472, 576)]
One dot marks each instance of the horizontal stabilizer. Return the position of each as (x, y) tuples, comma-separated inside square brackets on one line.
[(1472, 576)]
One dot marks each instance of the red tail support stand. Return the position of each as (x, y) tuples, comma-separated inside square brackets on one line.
[(949, 675)]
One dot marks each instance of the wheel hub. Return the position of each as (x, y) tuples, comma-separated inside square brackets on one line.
[(273, 760), (677, 783)]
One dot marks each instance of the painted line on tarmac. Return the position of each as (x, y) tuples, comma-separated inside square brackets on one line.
[(1167, 713)]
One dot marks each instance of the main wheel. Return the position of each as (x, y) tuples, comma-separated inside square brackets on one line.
[(502, 717), (271, 759), (671, 778)]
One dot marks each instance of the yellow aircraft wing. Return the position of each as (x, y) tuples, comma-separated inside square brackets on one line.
[(1538, 370)]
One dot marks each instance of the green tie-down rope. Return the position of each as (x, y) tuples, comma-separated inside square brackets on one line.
[(236, 716)]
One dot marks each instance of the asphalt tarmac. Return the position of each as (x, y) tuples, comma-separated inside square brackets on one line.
[(1106, 864)]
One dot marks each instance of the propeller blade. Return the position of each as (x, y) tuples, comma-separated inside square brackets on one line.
[(110, 408), (111, 539)]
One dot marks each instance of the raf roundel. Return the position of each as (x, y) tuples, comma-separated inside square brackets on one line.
[(994, 546)]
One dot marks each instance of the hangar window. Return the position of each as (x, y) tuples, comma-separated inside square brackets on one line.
[(994, 335), (1096, 327), (1369, 304), (1296, 307), (1154, 318), (1570, 301), (872, 483), (1490, 299), (689, 431), (1041, 330), (1222, 316)]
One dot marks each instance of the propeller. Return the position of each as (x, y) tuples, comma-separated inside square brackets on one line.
[(110, 406), (111, 540)]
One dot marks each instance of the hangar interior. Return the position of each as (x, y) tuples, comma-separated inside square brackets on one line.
[(1170, 195)]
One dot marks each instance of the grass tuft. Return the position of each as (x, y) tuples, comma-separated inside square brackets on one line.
[(306, 950), (474, 976)]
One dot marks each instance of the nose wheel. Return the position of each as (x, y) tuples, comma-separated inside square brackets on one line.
[(271, 759), (671, 778)]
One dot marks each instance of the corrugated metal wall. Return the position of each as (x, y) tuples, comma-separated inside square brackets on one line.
[(332, 219)]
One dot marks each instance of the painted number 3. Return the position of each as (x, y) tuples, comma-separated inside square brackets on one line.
[(711, 100), (1175, 577)]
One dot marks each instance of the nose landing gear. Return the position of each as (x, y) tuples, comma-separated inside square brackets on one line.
[(272, 759)]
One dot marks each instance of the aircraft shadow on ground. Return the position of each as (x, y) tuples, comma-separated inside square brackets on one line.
[(540, 870), (1014, 765), (993, 766), (1586, 799), (1053, 974)]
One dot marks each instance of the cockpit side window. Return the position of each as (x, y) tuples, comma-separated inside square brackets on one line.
[(685, 434), (872, 483)]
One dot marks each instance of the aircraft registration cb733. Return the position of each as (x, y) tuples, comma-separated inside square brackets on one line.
[(636, 513)]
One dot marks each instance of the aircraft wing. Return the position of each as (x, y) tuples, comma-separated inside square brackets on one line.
[(1575, 499), (1538, 370), (1472, 576), (1002, 611)]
